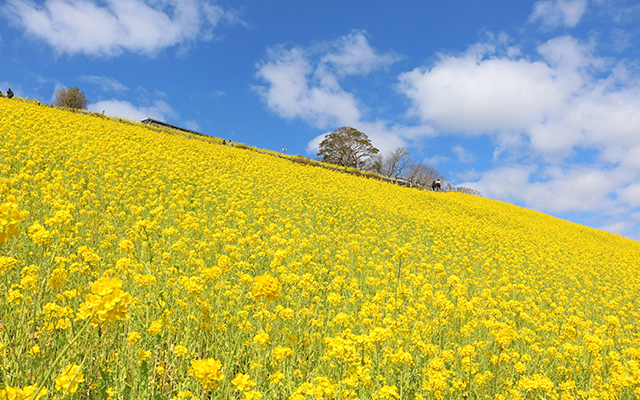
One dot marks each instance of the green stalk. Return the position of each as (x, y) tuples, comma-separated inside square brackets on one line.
[(62, 353), (397, 285)]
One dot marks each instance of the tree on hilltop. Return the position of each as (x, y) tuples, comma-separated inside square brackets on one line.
[(346, 146), (423, 174), (71, 97), (391, 164)]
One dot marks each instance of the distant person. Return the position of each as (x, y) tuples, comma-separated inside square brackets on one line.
[(436, 185), (224, 142), (9, 93)]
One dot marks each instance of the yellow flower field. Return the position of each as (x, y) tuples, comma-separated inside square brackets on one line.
[(141, 265)]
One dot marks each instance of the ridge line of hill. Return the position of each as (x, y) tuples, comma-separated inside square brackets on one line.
[(219, 141)]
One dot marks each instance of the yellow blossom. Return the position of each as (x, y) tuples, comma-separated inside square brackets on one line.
[(207, 371), (107, 300), (242, 382), (35, 350), (68, 380), (180, 350), (266, 287), (133, 337), (9, 219)]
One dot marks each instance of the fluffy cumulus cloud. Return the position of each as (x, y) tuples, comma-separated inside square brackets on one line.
[(560, 190), (107, 28), (298, 89), (482, 92), (123, 109), (558, 13), (306, 83), (548, 108)]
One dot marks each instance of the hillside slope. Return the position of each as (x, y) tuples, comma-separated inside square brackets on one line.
[(178, 268)]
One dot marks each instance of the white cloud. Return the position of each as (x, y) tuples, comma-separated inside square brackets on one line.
[(502, 183), (619, 228), (567, 98), (435, 160), (558, 13), (576, 189), (462, 154), (106, 83), (298, 89), (107, 28), (630, 195), (474, 94), (314, 144), (193, 125), (124, 109), (585, 188), (590, 104), (352, 54), (619, 11), (306, 84), (385, 137)]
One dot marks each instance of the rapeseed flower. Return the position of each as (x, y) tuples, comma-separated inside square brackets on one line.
[(388, 392), (9, 219), (208, 372), (107, 301), (180, 350), (26, 393), (68, 380), (242, 382), (266, 287)]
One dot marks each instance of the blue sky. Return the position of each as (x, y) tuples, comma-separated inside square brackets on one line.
[(536, 103)]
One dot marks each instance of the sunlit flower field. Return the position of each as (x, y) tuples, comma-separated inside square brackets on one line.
[(137, 264)]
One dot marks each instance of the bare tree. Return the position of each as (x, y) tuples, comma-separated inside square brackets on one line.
[(422, 174), (346, 146), (391, 164), (396, 161)]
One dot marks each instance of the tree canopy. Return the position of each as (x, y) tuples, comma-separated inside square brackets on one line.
[(346, 146), (71, 97)]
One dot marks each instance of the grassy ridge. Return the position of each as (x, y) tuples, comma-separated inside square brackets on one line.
[(178, 268)]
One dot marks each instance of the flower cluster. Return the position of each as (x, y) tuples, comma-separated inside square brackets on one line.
[(26, 393), (106, 302), (9, 218), (208, 372), (68, 380), (266, 287)]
